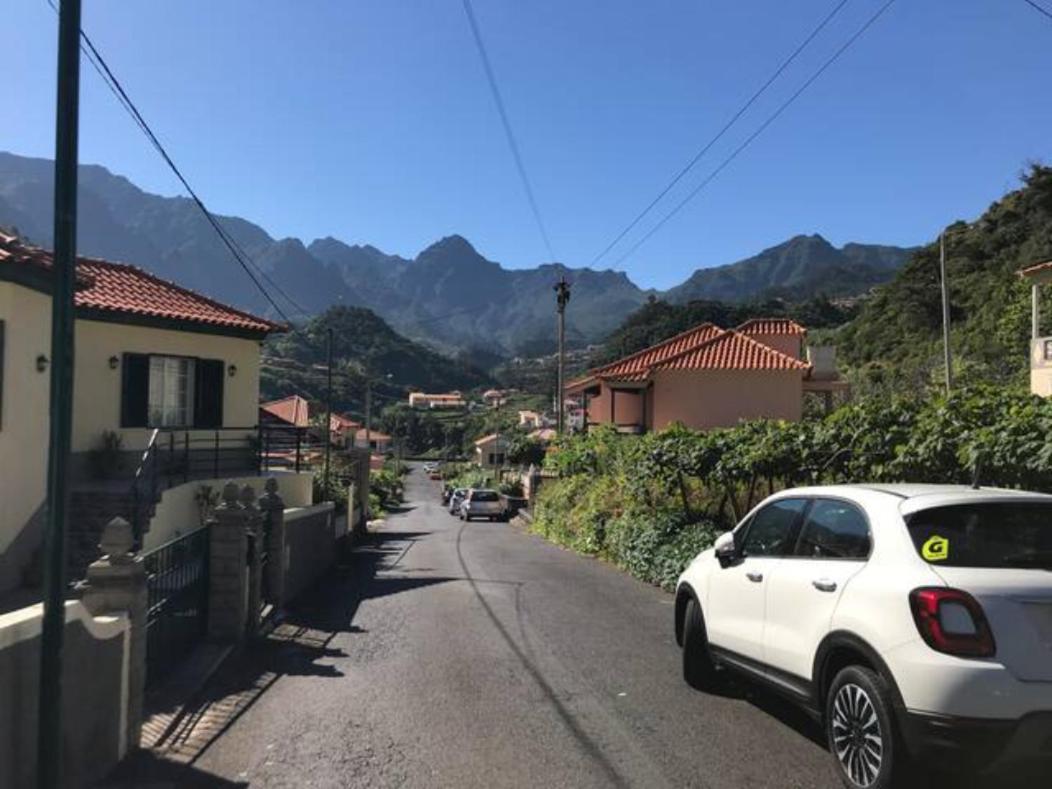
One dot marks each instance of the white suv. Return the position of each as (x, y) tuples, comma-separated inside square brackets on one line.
[(914, 621)]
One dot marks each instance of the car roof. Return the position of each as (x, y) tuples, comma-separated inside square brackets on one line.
[(921, 496)]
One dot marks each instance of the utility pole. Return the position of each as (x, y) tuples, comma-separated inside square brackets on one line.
[(945, 314), (328, 414), (368, 412), (49, 721), (562, 296)]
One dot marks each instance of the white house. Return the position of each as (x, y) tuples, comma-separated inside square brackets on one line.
[(153, 362)]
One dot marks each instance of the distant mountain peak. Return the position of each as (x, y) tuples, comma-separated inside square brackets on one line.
[(451, 245)]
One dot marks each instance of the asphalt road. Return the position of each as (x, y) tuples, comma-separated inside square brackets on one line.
[(461, 655)]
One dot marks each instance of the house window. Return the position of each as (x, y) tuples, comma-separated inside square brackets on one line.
[(171, 391), (171, 399)]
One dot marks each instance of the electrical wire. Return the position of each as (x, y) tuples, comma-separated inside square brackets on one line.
[(99, 63), (1038, 8), (737, 151), (726, 127), (495, 90)]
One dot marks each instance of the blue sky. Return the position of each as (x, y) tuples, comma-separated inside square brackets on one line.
[(371, 120)]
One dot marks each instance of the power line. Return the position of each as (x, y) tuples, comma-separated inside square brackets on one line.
[(99, 63), (1038, 8), (712, 176), (726, 127), (492, 79)]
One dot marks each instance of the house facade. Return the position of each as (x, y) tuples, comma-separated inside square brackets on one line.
[(374, 441), (342, 430), (149, 355), (705, 377), (431, 401), (491, 451)]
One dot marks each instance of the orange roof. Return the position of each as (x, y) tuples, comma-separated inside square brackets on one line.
[(374, 435), (1034, 269), (636, 365), (292, 409), (757, 326), (732, 350), (121, 289), (341, 422)]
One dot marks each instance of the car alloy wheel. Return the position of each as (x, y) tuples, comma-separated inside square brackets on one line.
[(857, 738)]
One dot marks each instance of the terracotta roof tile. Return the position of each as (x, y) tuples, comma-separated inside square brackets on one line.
[(732, 350), (124, 289), (1034, 269), (758, 326), (636, 366), (292, 409)]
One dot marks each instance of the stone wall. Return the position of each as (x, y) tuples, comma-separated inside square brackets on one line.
[(95, 723), (310, 546)]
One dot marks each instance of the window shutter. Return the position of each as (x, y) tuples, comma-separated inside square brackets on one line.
[(208, 393), (135, 389)]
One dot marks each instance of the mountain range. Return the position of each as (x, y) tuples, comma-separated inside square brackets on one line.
[(449, 295)]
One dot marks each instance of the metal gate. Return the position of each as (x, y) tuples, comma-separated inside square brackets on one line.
[(177, 601)]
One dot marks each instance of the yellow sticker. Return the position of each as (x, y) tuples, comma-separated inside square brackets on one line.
[(936, 549)]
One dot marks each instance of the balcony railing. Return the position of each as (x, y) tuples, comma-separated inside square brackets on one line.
[(174, 456)]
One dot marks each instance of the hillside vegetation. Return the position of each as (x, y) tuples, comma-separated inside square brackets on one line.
[(650, 503), (896, 339), (364, 348)]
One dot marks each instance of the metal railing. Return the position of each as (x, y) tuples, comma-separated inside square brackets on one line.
[(177, 600), (177, 455)]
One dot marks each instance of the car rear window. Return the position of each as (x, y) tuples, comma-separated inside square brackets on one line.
[(999, 534), (484, 495)]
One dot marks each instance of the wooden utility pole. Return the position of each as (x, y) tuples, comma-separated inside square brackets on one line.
[(64, 261), (368, 412), (328, 413), (562, 296), (945, 315)]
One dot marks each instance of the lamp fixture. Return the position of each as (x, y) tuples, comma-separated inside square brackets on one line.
[(114, 362), (231, 370), (42, 362)]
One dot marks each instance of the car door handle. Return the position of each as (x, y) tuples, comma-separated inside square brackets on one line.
[(754, 577), (824, 585)]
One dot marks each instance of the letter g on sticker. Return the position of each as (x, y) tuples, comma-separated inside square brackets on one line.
[(936, 549)]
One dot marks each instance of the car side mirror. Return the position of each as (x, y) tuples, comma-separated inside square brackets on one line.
[(726, 549)]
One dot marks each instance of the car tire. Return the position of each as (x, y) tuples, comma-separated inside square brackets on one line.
[(699, 669), (861, 732)]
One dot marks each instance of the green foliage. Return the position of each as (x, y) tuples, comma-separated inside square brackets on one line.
[(331, 487), (386, 486), (650, 503), (452, 433), (365, 349), (896, 341)]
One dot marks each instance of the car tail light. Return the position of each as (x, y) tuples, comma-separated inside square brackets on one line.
[(952, 621)]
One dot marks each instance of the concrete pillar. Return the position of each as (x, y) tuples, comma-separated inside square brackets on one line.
[(227, 573), (273, 509), (116, 583), (1035, 311), (254, 534)]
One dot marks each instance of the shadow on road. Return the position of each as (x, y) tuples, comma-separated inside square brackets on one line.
[(299, 645), (148, 770)]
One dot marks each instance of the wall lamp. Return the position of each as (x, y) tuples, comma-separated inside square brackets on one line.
[(114, 362), (42, 362), (231, 370)]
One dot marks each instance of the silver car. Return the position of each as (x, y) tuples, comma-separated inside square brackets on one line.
[(481, 503)]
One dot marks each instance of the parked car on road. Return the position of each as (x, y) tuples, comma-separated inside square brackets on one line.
[(482, 503), (914, 621), (455, 500)]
